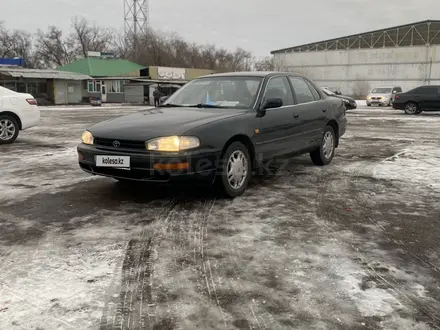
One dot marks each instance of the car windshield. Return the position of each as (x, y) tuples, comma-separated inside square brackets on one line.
[(381, 90), (217, 92)]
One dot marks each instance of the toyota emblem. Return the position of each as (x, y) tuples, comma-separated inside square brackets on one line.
[(116, 144)]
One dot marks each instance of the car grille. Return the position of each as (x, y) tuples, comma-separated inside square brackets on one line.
[(125, 144), (376, 98)]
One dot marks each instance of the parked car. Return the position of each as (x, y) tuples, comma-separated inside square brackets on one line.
[(382, 96), (18, 111), (417, 100), (218, 128), (350, 103)]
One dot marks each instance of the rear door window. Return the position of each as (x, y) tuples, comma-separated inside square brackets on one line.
[(302, 90)]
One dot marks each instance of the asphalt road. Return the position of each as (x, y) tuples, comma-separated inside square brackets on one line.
[(354, 245)]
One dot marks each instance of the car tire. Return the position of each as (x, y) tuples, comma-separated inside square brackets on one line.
[(368, 105), (11, 125), (419, 111), (236, 158), (326, 151), (411, 108)]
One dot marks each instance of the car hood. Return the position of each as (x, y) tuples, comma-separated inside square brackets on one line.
[(157, 122)]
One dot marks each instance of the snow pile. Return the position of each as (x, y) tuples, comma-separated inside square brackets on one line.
[(417, 164)]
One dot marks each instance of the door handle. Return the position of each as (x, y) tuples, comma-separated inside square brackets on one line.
[(296, 116), (325, 110)]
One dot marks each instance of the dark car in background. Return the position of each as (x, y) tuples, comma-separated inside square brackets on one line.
[(218, 128), (350, 103), (417, 100)]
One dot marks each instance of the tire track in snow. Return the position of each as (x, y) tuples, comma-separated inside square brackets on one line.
[(136, 308)]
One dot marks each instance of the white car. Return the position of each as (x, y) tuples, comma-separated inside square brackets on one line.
[(18, 111)]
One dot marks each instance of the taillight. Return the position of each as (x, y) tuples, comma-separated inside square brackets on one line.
[(396, 97), (31, 101)]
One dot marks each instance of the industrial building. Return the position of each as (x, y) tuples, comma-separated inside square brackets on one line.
[(404, 56)]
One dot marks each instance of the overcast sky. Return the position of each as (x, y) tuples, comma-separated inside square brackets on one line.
[(255, 25)]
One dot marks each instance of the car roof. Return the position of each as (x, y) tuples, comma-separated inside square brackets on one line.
[(260, 74)]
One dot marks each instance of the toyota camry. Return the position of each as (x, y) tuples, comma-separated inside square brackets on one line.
[(218, 128)]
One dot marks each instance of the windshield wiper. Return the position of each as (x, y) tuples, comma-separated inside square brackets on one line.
[(206, 105)]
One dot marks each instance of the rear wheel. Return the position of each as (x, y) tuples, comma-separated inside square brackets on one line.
[(235, 170), (8, 129), (325, 153), (411, 108)]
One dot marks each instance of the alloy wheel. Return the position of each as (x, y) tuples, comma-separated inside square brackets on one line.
[(7, 129), (237, 169), (411, 108), (328, 145)]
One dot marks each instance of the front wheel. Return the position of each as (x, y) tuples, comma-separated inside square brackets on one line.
[(325, 153), (235, 170), (411, 108), (8, 129)]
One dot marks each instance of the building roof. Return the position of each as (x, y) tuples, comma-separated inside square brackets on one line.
[(99, 67), (42, 74), (414, 34)]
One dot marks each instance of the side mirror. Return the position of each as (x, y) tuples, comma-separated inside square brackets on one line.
[(271, 103)]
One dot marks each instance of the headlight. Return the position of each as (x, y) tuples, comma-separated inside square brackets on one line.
[(346, 101), (87, 138), (173, 143)]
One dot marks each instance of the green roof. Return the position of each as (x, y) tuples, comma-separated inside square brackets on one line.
[(98, 67)]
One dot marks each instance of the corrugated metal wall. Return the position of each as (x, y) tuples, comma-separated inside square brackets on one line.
[(407, 67), (134, 93)]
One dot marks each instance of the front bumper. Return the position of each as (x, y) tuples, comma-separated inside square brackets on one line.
[(382, 102), (200, 165)]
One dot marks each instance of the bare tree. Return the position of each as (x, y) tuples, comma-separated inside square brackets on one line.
[(360, 88), (87, 36), (52, 49), (265, 64), (17, 43)]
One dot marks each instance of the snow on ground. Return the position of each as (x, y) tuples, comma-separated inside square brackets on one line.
[(353, 245), (417, 164)]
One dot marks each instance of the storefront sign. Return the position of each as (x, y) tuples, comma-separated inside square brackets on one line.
[(164, 73)]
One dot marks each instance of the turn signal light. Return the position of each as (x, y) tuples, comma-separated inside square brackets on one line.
[(171, 167), (31, 101)]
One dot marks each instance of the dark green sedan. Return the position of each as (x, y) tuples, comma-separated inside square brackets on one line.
[(218, 128)]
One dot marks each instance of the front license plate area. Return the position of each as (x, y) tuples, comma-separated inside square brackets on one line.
[(121, 162)]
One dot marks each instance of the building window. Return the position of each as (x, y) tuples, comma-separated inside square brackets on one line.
[(94, 86), (114, 86)]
